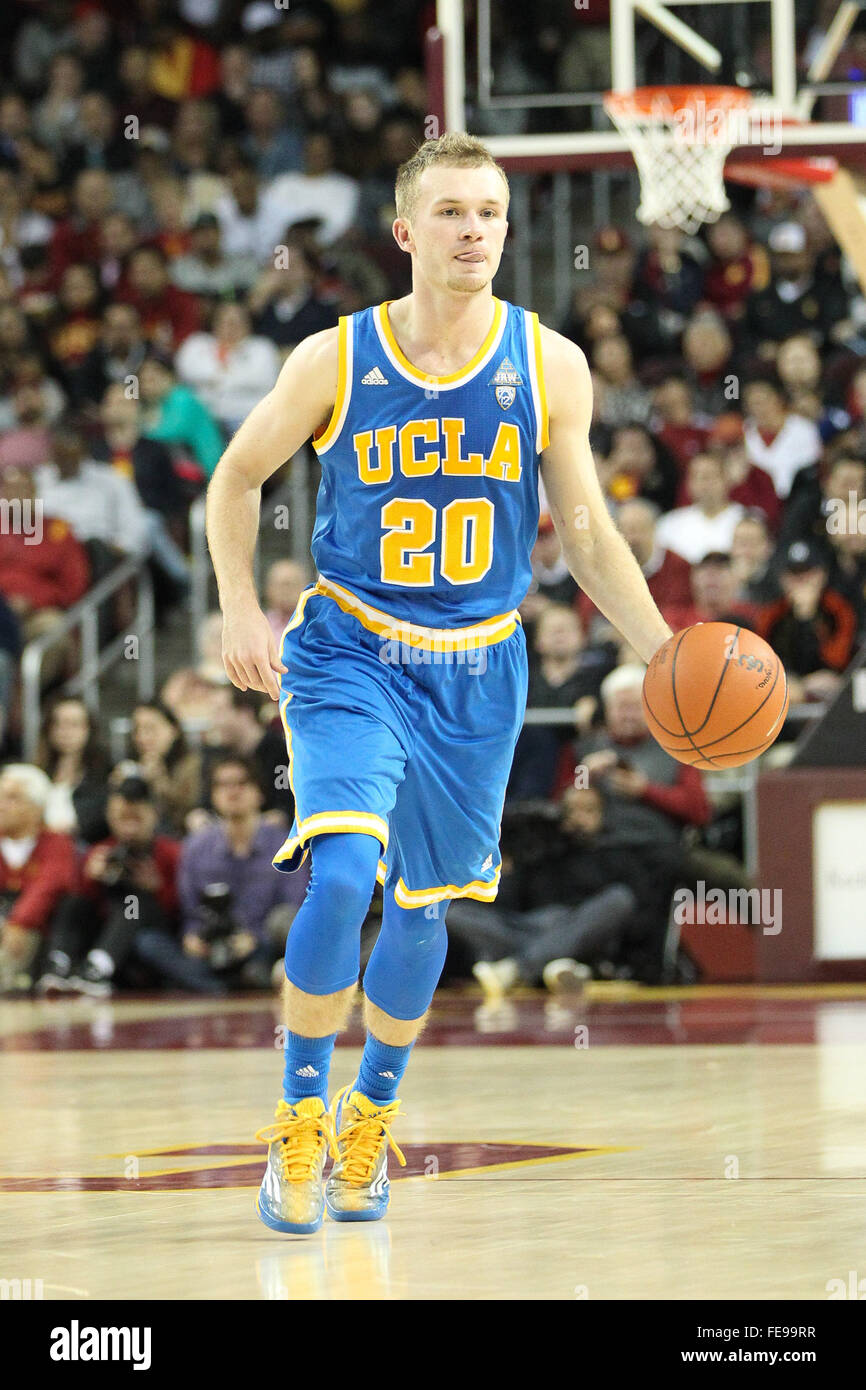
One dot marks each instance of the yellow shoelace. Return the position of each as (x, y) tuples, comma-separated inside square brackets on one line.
[(303, 1136), (360, 1141)]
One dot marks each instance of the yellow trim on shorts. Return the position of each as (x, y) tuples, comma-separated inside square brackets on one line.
[(332, 822), (409, 897), (296, 619), (435, 639), (421, 897), (343, 385)]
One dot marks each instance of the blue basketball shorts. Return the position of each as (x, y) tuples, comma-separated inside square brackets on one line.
[(405, 733)]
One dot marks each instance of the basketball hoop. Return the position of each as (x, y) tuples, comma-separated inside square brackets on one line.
[(782, 174), (680, 138)]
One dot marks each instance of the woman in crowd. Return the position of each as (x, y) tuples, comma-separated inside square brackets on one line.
[(171, 769), (71, 753)]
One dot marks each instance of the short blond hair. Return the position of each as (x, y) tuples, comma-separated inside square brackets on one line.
[(457, 150)]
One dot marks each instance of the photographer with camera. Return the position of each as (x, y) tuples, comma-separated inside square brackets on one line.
[(236, 910), (566, 900), (125, 910)]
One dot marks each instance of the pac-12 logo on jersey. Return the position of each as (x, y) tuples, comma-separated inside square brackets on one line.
[(506, 379)]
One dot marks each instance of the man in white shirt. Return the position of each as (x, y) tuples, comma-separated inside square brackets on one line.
[(777, 440), (229, 369), (248, 226), (709, 523), (319, 192), (97, 501)]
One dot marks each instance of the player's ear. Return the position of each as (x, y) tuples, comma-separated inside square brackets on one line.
[(403, 235)]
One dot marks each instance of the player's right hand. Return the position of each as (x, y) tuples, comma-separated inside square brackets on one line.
[(250, 653)]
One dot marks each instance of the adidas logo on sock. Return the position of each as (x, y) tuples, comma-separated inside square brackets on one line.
[(390, 1075), (374, 378), (306, 1071), (488, 863)]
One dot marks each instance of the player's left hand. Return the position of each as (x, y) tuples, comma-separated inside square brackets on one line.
[(250, 653)]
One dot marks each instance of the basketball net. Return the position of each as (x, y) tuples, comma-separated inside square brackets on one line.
[(680, 138)]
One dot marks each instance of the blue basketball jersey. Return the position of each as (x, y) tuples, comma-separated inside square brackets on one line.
[(428, 504)]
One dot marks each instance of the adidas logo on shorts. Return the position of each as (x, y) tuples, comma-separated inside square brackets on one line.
[(374, 378), (488, 863)]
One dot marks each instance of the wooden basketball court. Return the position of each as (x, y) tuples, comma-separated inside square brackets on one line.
[(704, 1143)]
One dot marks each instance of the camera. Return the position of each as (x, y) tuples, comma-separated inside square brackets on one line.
[(120, 864), (217, 925)]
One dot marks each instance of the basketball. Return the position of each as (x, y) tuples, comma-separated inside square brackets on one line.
[(715, 696)]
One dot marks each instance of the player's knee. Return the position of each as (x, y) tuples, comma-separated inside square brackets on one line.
[(420, 930), (344, 876)]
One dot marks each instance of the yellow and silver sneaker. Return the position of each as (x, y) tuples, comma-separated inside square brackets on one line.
[(358, 1187), (290, 1197)]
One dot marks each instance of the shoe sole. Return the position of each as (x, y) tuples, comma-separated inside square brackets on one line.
[(354, 1215), (287, 1227)]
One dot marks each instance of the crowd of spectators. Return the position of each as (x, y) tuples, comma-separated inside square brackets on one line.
[(186, 191)]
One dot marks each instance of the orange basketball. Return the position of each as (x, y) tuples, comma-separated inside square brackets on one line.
[(715, 696)]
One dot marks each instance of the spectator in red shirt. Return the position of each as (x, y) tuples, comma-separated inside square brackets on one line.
[(662, 794), (679, 428), (43, 567), (715, 591), (168, 314), (173, 236), (738, 267), (117, 239), (77, 237), (666, 573), (812, 629), (708, 350), (748, 484), (37, 868), (126, 908), (78, 324)]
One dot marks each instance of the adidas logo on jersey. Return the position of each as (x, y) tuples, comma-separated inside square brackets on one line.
[(488, 863), (374, 378), (306, 1071)]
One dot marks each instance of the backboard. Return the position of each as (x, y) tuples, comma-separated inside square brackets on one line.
[(809, 93)]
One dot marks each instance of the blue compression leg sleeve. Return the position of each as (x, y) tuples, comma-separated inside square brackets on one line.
[(407, 960), (323, 949)]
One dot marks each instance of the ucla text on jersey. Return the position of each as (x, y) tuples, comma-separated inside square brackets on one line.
[(428, 504)]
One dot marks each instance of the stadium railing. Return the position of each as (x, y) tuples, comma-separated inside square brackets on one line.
[(95, 660)]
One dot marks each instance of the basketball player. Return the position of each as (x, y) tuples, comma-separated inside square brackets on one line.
[(402, 674)]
